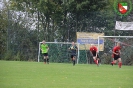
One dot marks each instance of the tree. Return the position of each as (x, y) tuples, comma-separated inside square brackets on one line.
[(3, 32), (59, 20)]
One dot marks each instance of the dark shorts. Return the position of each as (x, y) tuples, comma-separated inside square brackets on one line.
[(116, 57), (94, 54), (73, 55), (45, 54)]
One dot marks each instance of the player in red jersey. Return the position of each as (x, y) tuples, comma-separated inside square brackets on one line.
[(94, 52), (116, 55)]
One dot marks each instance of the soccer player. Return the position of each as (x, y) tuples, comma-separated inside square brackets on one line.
[(116, 55), (73, 49), (94, 53), (44, 49)]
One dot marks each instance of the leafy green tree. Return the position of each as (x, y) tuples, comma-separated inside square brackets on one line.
[(31, 21), (3, 32)]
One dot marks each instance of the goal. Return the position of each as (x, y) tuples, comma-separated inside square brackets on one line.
[(58, 52), (126, 49)]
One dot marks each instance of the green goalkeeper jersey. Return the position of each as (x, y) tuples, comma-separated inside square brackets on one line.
[(44, 48)]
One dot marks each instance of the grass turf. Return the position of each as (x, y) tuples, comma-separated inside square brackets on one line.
[(15, 74)]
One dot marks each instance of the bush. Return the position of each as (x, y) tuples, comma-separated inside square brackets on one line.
[(17, 57), (8, 55)]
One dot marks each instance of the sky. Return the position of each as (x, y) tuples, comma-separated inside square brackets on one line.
[(2, 3)]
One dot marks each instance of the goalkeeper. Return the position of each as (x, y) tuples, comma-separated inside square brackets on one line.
[(73, 49), (44, 49)]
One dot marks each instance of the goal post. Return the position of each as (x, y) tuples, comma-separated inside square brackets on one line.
[(58, 49), (110, 41)]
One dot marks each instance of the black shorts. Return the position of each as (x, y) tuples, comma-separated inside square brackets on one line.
[(94, 54), (45, 54), (116, 57), (73, 55)]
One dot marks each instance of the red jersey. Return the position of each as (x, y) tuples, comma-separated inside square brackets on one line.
[(93, 49), (116, 50)]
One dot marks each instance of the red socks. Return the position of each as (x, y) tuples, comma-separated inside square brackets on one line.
[(96, 61), (113, 62), (120, 64)]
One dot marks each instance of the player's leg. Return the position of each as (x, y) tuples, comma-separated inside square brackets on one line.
[(119, 62), (74, 60), (44, 59), (98, 59), (115, 60), (95, 59), (72, 57), (47, 58)]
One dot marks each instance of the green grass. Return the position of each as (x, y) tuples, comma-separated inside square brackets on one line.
[(15, 74)]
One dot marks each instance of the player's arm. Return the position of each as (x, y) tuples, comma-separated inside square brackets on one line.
[(91, 52), (115, 53), (76, 48), (96, 51), (47, 48), (41, 48), (119, 51)]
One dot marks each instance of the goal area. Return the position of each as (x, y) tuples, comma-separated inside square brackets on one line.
[(58, 52), (126, 43)]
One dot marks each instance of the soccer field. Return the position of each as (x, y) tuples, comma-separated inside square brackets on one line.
[(15, 74)]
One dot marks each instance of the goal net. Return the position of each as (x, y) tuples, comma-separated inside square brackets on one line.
[(126, 49), (58, 52)]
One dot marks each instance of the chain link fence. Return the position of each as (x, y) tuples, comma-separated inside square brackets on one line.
[(126, 50)]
